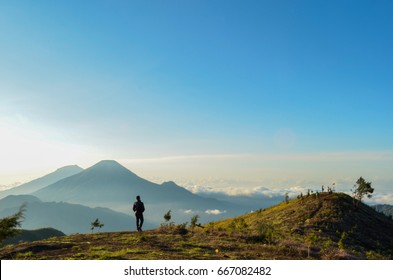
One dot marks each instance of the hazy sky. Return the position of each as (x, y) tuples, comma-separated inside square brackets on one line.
[(270, 93)]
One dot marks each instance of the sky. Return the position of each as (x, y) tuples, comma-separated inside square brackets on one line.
[(226, 94)]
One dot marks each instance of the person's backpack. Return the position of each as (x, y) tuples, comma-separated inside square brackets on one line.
[(139, 207)]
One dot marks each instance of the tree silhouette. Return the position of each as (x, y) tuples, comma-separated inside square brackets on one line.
[(167, 216), (8, 225), (362, 188), (96, 224)]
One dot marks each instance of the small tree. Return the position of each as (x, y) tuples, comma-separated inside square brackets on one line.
[(194, 221), (96, 224), (362, 188), (8, 225), (310, 240), (286, 198), (167, 216)]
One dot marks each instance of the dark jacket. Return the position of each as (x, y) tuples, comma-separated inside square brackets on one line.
[(138, 207)]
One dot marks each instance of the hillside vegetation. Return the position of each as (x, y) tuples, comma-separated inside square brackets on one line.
[(319, 226)]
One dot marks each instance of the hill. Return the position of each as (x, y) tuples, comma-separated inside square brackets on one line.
[(44, 181), (109, 184), (67, 217), (326, 226), (327, 223), (33, 235)]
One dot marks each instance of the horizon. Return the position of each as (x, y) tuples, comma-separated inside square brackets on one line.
[(255, 191), (216, 96)]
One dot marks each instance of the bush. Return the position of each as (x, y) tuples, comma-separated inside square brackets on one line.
[(265, 231), (181, 229), (194, 221)]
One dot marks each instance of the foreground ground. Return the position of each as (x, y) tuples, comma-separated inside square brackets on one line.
[(155, 244)]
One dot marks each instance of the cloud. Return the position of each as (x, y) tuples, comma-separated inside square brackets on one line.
[(190, 211), (214, 212), (383, 198), (314, 157), (9, 186), (252, 192)]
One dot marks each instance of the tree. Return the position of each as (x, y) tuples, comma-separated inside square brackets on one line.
[(194, 221), (8, 225), (167, 216), (286, 198), (96, 224), (310, 240), (362, 188)]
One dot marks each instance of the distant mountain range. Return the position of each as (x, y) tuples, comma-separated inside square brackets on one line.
[(384, 208), (71, 197), (109, 184), (66, 217), (39, 183)]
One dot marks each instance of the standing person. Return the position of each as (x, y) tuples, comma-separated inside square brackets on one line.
[(139, 208)]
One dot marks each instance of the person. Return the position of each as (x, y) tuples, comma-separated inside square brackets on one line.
[(139, 208)]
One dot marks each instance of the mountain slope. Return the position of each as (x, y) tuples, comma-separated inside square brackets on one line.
[(109, 184), (44, 181), (66, 217), (329, 223)]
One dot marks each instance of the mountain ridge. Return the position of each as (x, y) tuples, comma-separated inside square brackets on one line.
[(41, 182), (66, 217), (109, 184)]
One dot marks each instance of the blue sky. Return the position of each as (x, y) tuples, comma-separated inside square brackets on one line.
[(252, 90)]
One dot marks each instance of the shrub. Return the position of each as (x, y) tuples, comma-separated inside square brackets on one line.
[(194, 221), (181, 229), (265, 231)]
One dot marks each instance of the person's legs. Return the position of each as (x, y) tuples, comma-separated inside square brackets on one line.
[(137, 222), (141, 222)]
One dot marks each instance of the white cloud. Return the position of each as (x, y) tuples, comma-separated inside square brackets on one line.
[(214, 212), (321, 156), (10, 186), (190, 212), (383, 198)]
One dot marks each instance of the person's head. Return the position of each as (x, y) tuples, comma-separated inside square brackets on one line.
[(138, 198)]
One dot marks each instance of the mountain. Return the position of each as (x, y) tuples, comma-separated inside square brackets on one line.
[(44, 181), (109, 184), (384, 208), (66, 217), (33, 235), (323, 226)]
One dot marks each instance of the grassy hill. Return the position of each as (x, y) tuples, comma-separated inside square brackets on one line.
[(324, 226)]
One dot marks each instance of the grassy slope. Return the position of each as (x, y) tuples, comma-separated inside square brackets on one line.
[(324, 227)]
